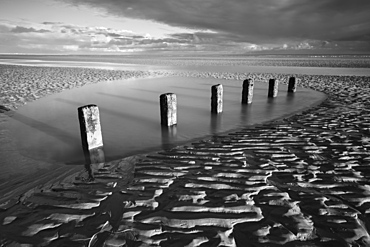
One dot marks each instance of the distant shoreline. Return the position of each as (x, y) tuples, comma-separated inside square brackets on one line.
[(199, 59)]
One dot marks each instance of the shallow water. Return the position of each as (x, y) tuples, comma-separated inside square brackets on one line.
[(48, 128)]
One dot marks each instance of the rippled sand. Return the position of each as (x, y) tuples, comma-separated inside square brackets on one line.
[(298, 181)]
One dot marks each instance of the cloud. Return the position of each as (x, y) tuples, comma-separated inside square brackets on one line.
[(4, 29), (51, 23), (261, 22), (64, 37), (212, 25), (19, 29)]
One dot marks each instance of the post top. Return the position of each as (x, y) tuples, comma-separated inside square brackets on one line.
[(87, 106), (217, 85), (165, 94)]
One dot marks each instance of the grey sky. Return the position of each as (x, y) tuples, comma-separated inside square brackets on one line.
[(314, 26)]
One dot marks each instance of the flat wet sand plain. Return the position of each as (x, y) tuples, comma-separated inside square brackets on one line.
[(302, 65), (302, 180)]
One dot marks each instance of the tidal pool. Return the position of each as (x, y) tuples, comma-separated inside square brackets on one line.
[(48, 128)]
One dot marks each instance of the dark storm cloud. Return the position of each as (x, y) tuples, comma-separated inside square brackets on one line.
[(19, 29), (254, 21)]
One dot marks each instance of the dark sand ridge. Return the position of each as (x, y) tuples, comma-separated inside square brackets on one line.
[(300, 180)]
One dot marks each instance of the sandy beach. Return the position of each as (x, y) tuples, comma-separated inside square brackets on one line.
[(302, 180)]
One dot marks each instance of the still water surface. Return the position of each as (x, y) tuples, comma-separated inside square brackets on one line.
[(48, 128)]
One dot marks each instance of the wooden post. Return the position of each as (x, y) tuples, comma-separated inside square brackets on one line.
[(168, 105), (247, 92), (91, 135), (292, 85), (273, 88), (217, 92)]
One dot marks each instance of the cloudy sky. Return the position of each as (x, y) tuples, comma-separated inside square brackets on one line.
[(223, 26)]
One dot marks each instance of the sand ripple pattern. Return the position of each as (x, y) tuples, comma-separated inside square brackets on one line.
[(22, 84), (272, 184), (299, 181), (77, 211)]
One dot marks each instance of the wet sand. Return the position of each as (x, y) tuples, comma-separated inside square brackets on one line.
[(298, 181)]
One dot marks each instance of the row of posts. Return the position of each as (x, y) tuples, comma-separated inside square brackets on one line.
[(91, 135)]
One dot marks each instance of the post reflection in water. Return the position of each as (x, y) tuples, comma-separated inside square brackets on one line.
[(169, 136), (290, 97), (246, 113), (90, 171), (215, 123), (270, 105)]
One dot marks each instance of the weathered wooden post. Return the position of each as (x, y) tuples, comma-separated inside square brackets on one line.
[(168, 105), (273, 88), (247, 92), (91, 135), (292, 85), (217, 92)]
